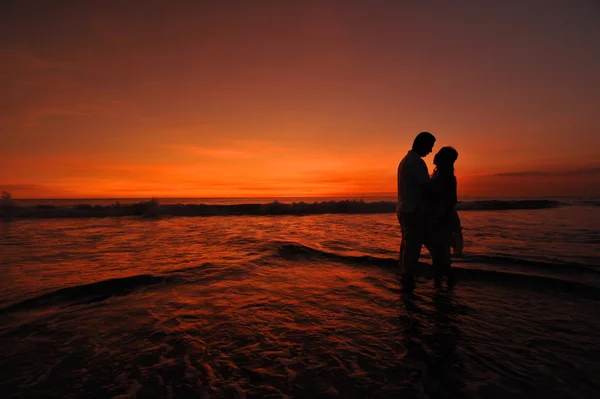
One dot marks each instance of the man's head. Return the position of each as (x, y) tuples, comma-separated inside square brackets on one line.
[(423, 143)]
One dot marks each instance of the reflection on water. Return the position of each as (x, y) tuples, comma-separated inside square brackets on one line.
[(282, 307), (430, 336)]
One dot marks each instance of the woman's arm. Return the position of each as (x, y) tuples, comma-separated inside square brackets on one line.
[(449, 198)]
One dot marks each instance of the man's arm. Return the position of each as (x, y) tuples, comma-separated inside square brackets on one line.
[(421, 173), (420, 177)]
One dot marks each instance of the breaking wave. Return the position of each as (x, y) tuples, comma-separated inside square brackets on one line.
[(86, 293), (101, 290), (152, 208), (294, 251), (590, 203)]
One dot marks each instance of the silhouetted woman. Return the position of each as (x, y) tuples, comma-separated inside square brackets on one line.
[(444, 227)]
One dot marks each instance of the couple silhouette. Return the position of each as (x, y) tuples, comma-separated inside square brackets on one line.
[(426, 211)]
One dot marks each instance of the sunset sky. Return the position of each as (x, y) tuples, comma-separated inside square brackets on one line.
[(292, 98)]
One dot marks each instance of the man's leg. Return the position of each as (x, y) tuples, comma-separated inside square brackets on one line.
[(401, 252), (413, 236)]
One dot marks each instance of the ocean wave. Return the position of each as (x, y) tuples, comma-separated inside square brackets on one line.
[(295, 251), (575, 268), (497, 205), (104, 289), (590, 203), (152, 208), (86, 293)]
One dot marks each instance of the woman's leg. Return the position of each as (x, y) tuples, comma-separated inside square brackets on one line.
[(440, 254)]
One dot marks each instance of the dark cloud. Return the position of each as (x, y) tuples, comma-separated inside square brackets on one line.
[(11, 187), (34, 191), (593, 171)]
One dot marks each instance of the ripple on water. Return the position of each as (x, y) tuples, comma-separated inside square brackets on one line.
[(304, 330)]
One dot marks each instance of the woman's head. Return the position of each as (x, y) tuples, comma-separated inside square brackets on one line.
[(445, 158)]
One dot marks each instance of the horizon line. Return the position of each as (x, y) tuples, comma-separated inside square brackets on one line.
[(293, 196), (220, 197)]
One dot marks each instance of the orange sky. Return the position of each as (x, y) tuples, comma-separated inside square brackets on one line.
[(286, 98)]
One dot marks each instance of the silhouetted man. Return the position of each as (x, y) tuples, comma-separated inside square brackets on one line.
[(413, 180)]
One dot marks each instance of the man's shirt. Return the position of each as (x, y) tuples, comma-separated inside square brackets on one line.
[(412, 177)]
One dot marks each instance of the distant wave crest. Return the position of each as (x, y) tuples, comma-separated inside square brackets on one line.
[(495, 205), (153, 208)]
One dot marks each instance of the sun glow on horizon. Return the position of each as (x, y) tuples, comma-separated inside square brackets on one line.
[(289, 100)]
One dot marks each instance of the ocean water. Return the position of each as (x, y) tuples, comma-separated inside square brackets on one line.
[(253, 306)]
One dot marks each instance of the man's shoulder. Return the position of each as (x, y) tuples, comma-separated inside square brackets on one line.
[(416, 159), (403, 161), (411, 157)]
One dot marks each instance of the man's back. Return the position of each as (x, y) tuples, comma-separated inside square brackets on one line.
[(412, 177)]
